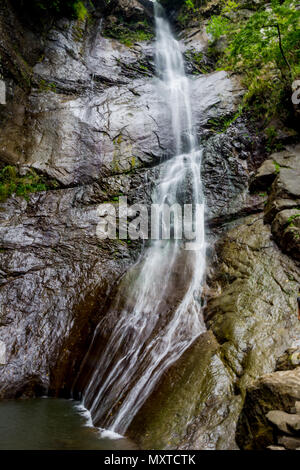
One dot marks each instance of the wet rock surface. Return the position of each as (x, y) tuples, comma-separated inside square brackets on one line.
[(254, 314), (201, 376), (84, 109), (251, 316), (229, 159), (55, 277), (270, 418), (93, 120), (280, 176), (289, 360), (94, 108)]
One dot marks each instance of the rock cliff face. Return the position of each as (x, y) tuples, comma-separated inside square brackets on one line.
[(83, 110), (94, 122), (252, 319)]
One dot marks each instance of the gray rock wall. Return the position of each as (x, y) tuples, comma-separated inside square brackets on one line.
[(93, 120), (83, 109)]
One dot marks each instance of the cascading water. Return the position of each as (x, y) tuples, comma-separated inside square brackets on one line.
[(159, 313)]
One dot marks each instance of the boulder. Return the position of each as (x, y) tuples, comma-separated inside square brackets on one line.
[(290, 443), (275, 448), (264, 177), (131, 9), (269, 404), (286, 229), (285, 422), (289, 360)]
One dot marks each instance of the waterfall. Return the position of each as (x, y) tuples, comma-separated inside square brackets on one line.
[(157, 303)]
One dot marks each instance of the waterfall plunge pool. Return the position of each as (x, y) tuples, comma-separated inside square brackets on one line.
[(52, 424)]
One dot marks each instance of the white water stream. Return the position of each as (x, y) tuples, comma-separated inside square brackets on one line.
[(159, 315)]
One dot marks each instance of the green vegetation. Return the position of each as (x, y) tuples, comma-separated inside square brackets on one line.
[(222, 124), (74, 8), (292, 218), (277, 167), (188, 10), (199, 62), (80, 10), (260, 41), (129, 33), (12, 183), (114, 199), (46, 86), (265, 48), (272, 143)]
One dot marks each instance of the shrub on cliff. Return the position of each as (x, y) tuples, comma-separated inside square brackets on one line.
[(265, 49), (13, 183)]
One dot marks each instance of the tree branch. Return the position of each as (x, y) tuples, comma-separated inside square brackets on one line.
[(276, 25)]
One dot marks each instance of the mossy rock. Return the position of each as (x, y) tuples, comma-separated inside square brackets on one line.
[(194, 384)]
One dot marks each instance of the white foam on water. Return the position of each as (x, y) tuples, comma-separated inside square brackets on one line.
[(86, 414), (106, 433), (103, 433)]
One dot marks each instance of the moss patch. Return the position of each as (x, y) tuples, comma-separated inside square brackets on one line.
[(129, 33), (221, 124), (12, 183)]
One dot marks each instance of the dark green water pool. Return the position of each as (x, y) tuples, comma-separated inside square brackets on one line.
[(51, 424)]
